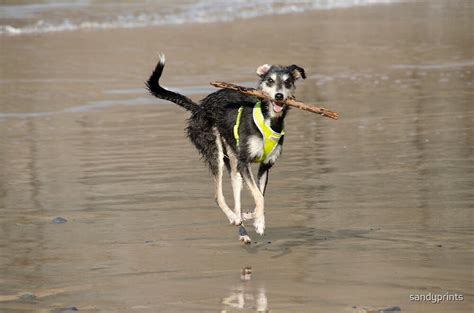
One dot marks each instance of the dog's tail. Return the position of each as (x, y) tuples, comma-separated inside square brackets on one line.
[(153, 85)]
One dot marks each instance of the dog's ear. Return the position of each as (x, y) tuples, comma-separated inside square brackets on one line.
[(263, 69), (297, 71)]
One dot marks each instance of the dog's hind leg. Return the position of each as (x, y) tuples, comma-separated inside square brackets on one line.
[(259, 222), (217, 169)]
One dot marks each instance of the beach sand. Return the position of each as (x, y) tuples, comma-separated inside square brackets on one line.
[(361, 212)]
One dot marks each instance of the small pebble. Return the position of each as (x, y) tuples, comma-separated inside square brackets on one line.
[(59, 220), (390, 309), (269, 242), (28, 296), (62, 310), (439, 246)]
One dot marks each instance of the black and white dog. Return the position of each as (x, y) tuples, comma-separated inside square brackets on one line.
[(233, 130)]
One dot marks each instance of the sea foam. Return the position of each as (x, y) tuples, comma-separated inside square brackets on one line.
[(139, 14)]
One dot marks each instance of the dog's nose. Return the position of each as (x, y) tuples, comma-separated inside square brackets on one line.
[(279, 96)]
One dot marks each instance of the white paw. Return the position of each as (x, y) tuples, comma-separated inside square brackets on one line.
[(245, 239), (233, 219), (259, 225), (248, 216), (237, 221)]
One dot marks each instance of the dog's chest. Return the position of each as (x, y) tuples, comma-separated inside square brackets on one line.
[(255, 149)]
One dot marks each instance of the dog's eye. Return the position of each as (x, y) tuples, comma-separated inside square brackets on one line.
[(270, 81), (287, 84)]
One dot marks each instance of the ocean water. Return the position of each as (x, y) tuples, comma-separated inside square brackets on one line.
[(29, 17)]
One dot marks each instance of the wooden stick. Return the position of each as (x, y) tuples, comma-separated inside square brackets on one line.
[(290, 102)]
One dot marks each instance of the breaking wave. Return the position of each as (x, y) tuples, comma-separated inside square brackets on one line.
[(139, 14)]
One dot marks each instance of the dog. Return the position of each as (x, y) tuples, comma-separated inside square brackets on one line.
[(233, 130)]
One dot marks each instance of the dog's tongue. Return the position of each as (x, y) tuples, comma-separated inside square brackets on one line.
[(277, 108)]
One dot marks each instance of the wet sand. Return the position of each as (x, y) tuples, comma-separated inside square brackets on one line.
[(361, 212)]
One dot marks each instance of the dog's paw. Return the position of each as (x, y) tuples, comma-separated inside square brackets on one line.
[(237, 222), (248, 216), (245, 239), (259, 225), (234, 219)]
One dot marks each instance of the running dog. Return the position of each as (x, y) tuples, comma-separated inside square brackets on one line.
[(234, 130)]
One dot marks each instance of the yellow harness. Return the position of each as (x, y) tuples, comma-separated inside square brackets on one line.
[(270, 137)]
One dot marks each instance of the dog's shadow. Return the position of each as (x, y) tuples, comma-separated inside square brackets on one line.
[(283, 239)]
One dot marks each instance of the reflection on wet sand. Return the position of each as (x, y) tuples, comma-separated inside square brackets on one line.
[(242, 297)]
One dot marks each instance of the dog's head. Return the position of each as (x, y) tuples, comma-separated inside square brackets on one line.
[(278, 82)]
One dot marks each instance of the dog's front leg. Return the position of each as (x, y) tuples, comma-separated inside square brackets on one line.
[(236, 180), (217, 170), (263, 176), (262, 181), (259, 222)]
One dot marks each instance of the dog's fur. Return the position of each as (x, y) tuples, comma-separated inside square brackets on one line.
[(210, 129)]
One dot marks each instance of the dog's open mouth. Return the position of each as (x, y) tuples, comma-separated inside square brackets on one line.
[(277, 106)]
